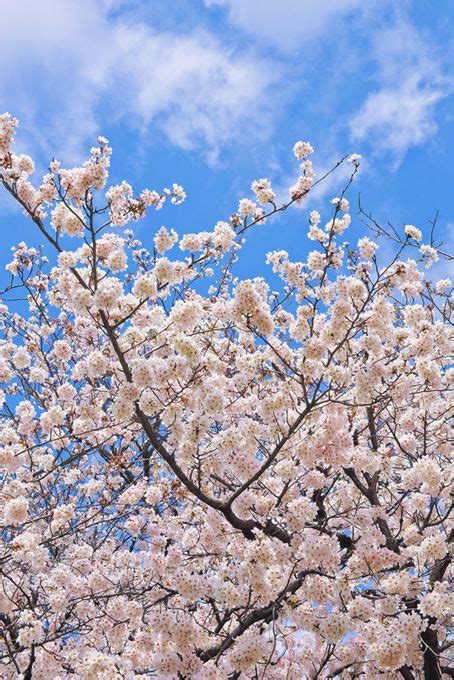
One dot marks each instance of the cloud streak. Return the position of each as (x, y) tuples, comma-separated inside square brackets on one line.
[(401, 112), (70, 69), (287, 24), (77, 59)]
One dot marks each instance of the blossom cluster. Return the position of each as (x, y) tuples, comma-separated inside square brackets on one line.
[(241, 481)]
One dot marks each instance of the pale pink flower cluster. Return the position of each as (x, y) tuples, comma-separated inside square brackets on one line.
[(429, 254), (93, 174), (302, 149), (199, 481), (263, 191), (8, 126), (367, 248), (304, 182), (413, 232), (165, 240), (68, 220), (15, 511)]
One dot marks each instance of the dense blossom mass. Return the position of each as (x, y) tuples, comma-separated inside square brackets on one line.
[(205, 477)]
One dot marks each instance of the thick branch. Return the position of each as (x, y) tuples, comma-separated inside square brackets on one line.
[(268, 613)]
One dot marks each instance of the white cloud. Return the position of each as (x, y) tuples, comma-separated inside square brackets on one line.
[(402, 112), (68, 64), (398, 117), (287, 23), (198, 91)]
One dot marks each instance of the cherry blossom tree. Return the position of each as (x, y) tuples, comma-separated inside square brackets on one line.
[(205, 477)]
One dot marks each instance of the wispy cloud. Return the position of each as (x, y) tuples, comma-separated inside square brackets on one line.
[(287, 24), (72, 67), (79, 62), (401, 113), (398, 117)]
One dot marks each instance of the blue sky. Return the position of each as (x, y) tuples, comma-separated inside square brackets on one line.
[(213, 93)]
